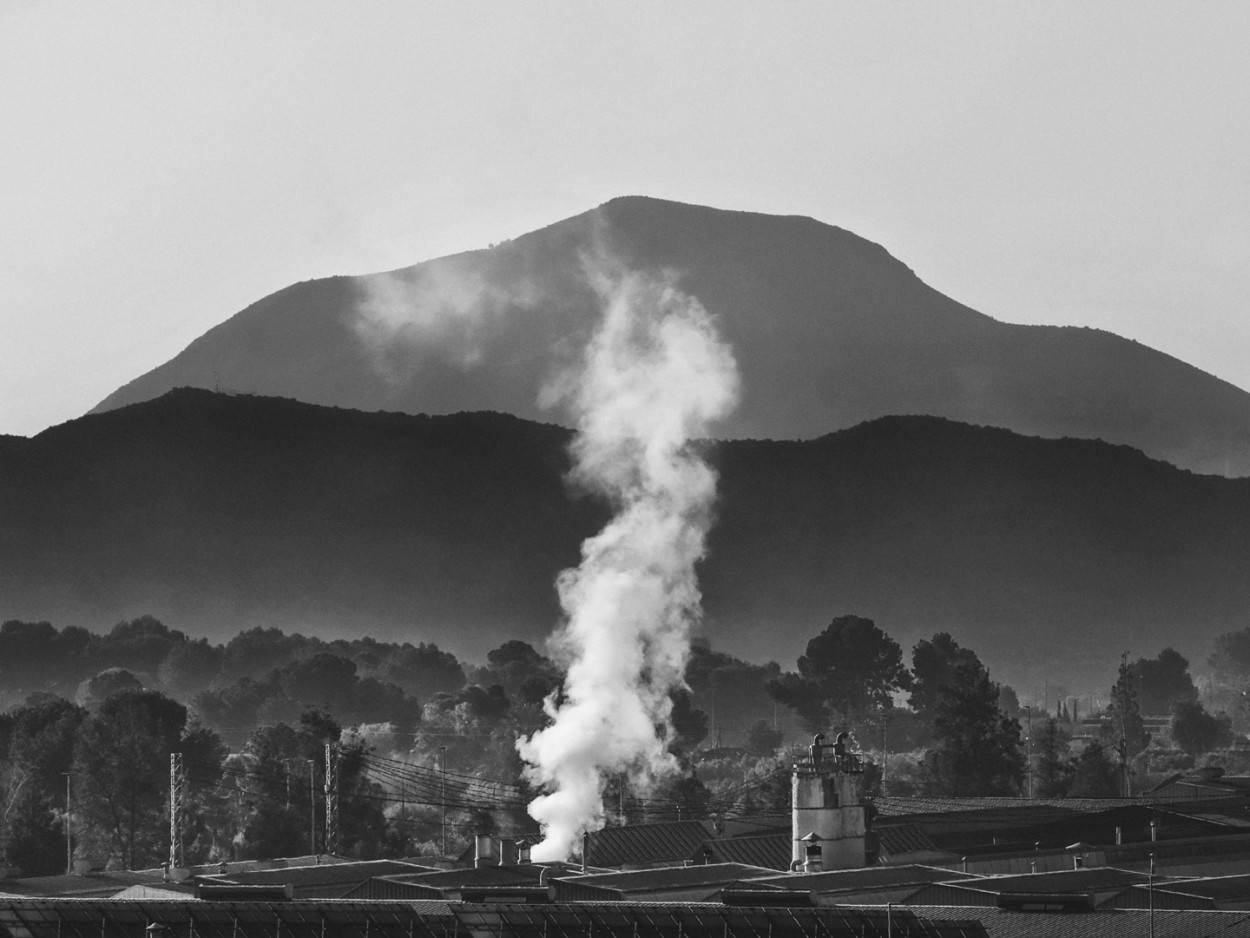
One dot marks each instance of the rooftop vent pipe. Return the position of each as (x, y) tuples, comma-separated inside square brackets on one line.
[(484, 851)]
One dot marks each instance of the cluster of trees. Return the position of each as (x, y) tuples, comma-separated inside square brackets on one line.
[(968, 730), (38, 657), (97, 777), (852, 674), (93, 784), (428, 755), (278, 700)]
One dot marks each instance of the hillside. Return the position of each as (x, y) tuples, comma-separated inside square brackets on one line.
[(219, 513), (829, 331)]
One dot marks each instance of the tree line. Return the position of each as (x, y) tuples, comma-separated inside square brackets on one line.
[(971, 735), (425, 743)]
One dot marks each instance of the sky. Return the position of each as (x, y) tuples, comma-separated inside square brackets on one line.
[(162, 165)]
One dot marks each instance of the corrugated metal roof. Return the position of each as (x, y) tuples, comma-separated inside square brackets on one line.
[(867, 877), (1223, 845), (1169, 897), (639, 844), (772, 851), (900, 840), (49, 918), (1215, 887), (709, 874), (896, 806), (393, 890), (1098, 879), (754, 825), (1000, 923), (514, 875), (330, 873), (122, 918), (684, 920), (87, 885)]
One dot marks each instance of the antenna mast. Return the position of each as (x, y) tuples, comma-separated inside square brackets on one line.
[(332, 799), (177, 808)]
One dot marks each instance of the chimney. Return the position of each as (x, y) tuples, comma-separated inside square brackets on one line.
[(812, 864), (523, 850), (484, 851), (507, 851)]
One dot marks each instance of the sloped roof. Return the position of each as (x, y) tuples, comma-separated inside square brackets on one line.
[(675, 919), (1225, 845), (1215, 887), (672, 841), (323, 873), (755, 824), (109, 918), (773, 851), (519, 874), (897, 840), (325, 879), (896, 806), (1087, 879), (87, 885), (865, 878), (673, 877), (1132, 923), (1201, 782)]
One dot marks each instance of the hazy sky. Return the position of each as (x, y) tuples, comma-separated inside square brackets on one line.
[(164, 165)]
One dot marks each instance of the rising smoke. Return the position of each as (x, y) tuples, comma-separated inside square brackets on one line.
[(652, 380), (447, 309)]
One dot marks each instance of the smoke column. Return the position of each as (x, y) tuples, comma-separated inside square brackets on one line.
[(651, 381)]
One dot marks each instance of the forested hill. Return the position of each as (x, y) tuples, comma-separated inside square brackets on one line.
[(218, 513), (828, 330)]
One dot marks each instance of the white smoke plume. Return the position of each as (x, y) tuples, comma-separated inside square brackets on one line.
[(652, 380), (446, 307)]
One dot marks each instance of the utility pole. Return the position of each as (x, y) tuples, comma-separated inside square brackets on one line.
[(1150, 892), (1028, 737), (69, 830), (885, 748), (177, 794), (442, 753), (1125, 695), (312, 807), (332, 799)]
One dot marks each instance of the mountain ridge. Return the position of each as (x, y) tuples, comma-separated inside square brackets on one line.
[(829, 330), (217, 512)]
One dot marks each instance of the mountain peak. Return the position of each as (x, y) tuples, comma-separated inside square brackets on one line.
[(828, 329)]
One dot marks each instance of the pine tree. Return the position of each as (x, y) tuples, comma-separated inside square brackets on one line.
[(1126, 733), (1054, 768), (978, 750), (1094, 775)]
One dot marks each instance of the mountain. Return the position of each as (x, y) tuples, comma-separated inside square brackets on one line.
[(218, 513), (829, 331)]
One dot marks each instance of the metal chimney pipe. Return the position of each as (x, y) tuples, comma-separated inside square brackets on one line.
[(484, 851), (507, 851)]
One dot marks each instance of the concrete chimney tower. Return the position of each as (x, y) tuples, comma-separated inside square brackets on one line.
[(829, 811)]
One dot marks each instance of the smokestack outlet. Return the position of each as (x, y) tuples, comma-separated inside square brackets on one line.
[(484, 851), (507, 852)]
